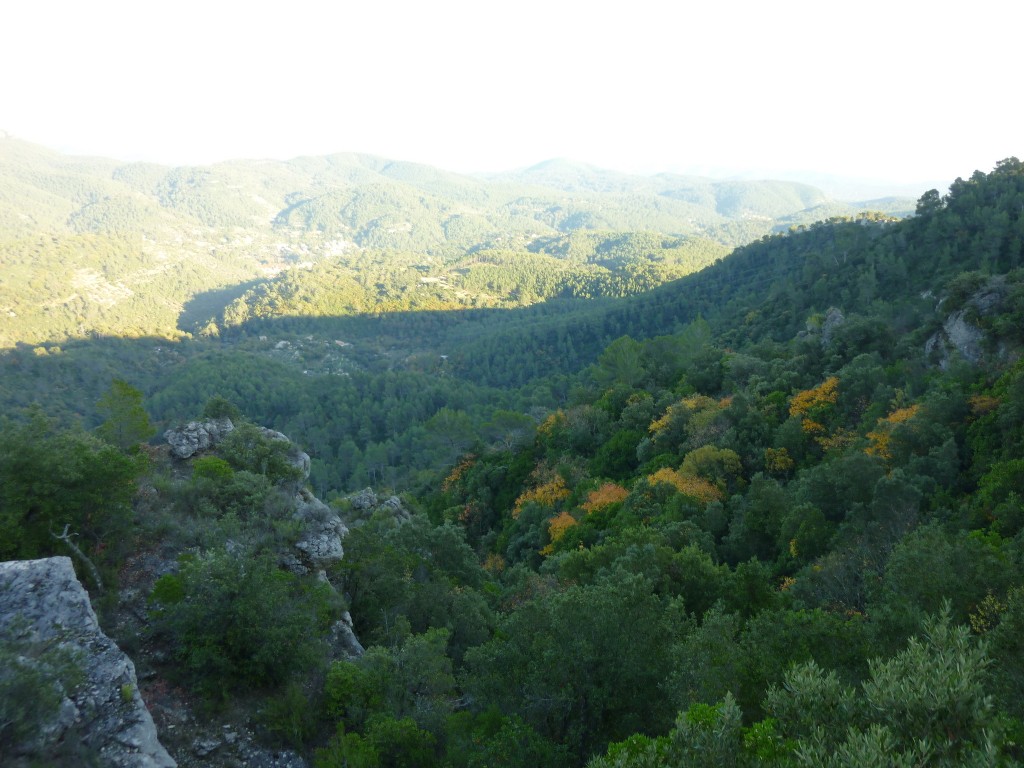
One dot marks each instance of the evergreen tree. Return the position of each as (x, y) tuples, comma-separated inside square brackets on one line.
[(127, 423)]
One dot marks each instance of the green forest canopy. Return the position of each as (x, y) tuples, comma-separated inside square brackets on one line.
[(764, 514)]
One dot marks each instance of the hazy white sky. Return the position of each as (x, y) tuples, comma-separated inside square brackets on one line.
[(895, 90)]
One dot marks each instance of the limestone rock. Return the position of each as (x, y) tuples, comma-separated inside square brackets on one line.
[(363, 500), (204, 747), (343, 638), (323, 532), (958, 335), (43, 606), (365, 504), (834, 318), (196, 436)]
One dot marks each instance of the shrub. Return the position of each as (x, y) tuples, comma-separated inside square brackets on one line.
[(247, 447), (34, 678), (238, 621), (51, 479)]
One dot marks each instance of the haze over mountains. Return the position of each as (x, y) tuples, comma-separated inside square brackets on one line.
[(96, 245)]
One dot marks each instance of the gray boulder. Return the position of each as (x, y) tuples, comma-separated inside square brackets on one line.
[(364, 504), (365, 499), (322, 532), (197, 436), (343, 638), (45, 614), (834, 318), (958, 336)]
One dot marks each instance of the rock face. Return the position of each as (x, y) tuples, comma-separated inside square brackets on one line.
[(323, 530), (343, 638), (824, 327), (958, 335), (319, 544), (365, 504), (834, 318), (197, 436), (43, 606)]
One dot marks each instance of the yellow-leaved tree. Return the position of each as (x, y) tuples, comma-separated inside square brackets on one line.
[(548, 494), (557, 526), (694, 487), (881, 436), (813, 405)]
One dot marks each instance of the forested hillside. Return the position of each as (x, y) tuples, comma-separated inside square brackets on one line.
[(768, 513), (92, 246)]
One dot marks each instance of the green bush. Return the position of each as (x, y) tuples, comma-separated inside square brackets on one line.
[(291, 715), (247, 447), (218, 407), (34, 678), (237, 621), (212, 493), (211, 468), (52, 478)]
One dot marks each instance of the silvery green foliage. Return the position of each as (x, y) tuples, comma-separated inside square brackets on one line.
[(925, 706)]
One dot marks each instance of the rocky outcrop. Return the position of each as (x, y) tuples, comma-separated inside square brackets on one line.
[(959, 336), (364, 500), (834, 318), (343, 638), (44, 615), (823, 326), (196, 436), (322, 532), (365, 504)]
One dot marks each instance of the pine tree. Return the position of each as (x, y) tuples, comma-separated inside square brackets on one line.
[(127, 423)]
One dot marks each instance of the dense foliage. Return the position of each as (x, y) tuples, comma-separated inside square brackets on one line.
[(237, 620), (56, 482), (769, 513)]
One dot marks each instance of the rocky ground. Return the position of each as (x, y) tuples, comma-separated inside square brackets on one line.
[(192, 733), (54, 640), (131, 703)]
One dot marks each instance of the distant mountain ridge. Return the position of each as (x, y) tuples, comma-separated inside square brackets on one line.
[(729, 198), (250, 192), (94, 245)]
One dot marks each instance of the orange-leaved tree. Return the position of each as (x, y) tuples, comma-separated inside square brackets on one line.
[(605, 496), (812, 405)]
